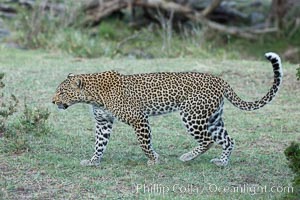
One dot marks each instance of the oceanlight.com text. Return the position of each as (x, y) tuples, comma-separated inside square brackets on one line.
[(160, 189)]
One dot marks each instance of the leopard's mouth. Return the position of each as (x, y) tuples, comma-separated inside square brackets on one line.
[(62, 106)]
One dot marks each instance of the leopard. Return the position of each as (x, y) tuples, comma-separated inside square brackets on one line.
[(132, 99)]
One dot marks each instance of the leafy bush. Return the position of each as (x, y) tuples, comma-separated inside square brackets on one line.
[(292, 154), (15, 137), (30, 124), (34, 121), (7, 108)]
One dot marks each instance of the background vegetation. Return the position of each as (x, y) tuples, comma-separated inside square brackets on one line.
[(41, 148), (143, 32), (293, 155)]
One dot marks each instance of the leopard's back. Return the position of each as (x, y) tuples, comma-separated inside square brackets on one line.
[(159, 93)]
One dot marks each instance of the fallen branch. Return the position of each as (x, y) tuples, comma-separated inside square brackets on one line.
[(7, 9), (123, 42), (197, 16), (235, 31), (164, 5), (96, 10), (209, 9), (264, 31)]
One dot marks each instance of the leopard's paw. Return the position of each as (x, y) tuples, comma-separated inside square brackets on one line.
[(89, 163), (219, 162), (187, 157), (154, 161)]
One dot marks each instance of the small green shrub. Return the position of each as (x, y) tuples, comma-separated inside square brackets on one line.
[(298, 74), (30, 124), (7, 107), (15, 137), (34, 121), (292, 154), (17, 142)]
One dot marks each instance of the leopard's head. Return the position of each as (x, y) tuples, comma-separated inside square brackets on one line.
[(69, 92)]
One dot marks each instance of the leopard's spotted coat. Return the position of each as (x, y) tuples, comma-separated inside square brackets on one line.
[(133, 98)]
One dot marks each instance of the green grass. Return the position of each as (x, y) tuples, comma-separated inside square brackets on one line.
[(51, 169)]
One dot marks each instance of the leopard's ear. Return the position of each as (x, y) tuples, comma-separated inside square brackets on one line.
[(79, 83), (71, 75)]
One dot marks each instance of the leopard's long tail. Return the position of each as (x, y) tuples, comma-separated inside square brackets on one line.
[(244, 105)]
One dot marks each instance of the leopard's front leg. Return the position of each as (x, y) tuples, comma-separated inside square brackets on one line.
[(104, 123)]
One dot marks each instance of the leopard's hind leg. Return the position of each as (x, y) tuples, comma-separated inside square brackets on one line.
[(197, 126), (220, 136)]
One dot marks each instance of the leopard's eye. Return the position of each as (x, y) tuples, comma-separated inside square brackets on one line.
[(59, 93)]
